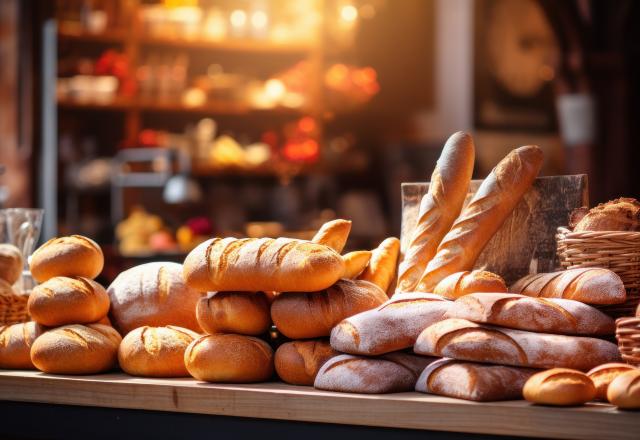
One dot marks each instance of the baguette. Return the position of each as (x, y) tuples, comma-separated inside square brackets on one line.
[(354, 263), (234, 312), (603, 375), (590, 285), (438, 208), (382, 267), (465, 340), (10, 263), (298, 362), (73, 256), (624, 391), (559, 387), (333, 234), (463, 283), (15, 345), (262, 264), (490, 206)]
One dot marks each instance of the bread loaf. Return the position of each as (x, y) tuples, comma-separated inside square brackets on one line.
[(390, 373), (155, 351), (64, 300), (463, 283), (553, 315), (153, 294), (465, 340), (10, 263), (559, 387), (624, 391), (393, 326), (438, 208), (603, 375), (234, 312), (76, 349), (229, 358), (333, 234), (73, 256), (261, 264), (621, 214), (313, 315), (590, 285), (355, 263), (15, 345), (472, 381), (298, 362), (382, 266), (490, 206)]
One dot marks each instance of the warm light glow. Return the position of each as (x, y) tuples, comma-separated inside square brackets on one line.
[(238, 18), (259, 19), (348, 13), (274, 89)]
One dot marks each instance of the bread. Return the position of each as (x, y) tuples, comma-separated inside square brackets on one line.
[(559, 387), (15, 345), (393, 326), (76, 349), (260, 264), (234, 312), (155, 351), (490, 206), (391, 373), (553, 315), (298, 362), (382, 266), (10, 263), (153, 294), (591, 285), (624, 391), (313, 315), (621, 214), (333, 234), (64, 300), (472, 381), (603, 375), (438, 208), (73, 256), (355, 263), (229, 358), (465, 340), (463, 283)]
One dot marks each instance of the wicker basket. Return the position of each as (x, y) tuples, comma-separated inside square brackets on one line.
[(618, 251), (628, 335), (13, 306)]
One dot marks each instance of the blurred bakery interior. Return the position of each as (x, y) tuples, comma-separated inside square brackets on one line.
[(152, 125)]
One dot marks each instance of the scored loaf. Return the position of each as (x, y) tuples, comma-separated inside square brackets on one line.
[(333, 234), (234, 312), (624, 391), (298, 362), (463, 283), (559, 387), (15, 345), (355, 263), (262, 264), (604, 374), (73, 256), (381, 269)]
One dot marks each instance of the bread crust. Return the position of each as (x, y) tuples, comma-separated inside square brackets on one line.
[(463, 283), (72, 256), (333, 234), (234, 312), (381, 269), (559, 387), (624, 390), (355, 263), (11, 263), (298, 362), (604, 374), (621, 214), (15, 345)]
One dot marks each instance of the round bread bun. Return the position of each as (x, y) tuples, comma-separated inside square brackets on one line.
[(624, 390), (73, 256), (229, 358), (153, 294), (64, 300), (15, 345), (604, 374), (243, 313), (10, 263), (298, 362), (155, 351), (76, 349), (559, 387)]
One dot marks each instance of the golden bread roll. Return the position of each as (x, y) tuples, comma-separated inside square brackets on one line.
[(333, 234), (624, 391), (229, 358), (298, 362), (463, 283), (15, 345), (76, 349), (244, 313), (355, 263), (64, 300), (604, 374), (621, 214), (73, 256), (104, 321), (559, 387), (155, 351), (10, 263), (381, 270)]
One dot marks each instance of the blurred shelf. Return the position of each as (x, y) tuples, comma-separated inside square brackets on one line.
[(283, 170), (110, 37), (231, 45)]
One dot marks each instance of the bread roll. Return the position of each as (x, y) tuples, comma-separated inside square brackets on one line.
[(155, 351), (229, 358), (463, 283), (438, 208), (603, 375), (559, 387), (472, 381), (64, 300), (261, 264), (382, 267), (590, 285), (333, 234), (15, 345), (391, 373), (553, 315), (490, 206), (153, 294), (76, 349), (10, 263), (465, 340), (393, 326), (624, 391), (73, 256), (234, 312), (298, 362), (621, 214), (355, 263), (313, 315)]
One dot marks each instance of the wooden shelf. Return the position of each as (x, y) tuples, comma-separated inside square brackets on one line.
[(230, 45)]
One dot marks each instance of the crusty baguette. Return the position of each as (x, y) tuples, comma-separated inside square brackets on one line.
[(553, 315), (234, 312), (559, 387), (490, 206), (73, 256), (298, 362), (463, 283), (393, 326), (262, 264), (624, 391), (604, 374), (15, 345), (591, 285), (355, 263), (438, 208), (333, 234), (473, 381), (465, 340), (382, 267)]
